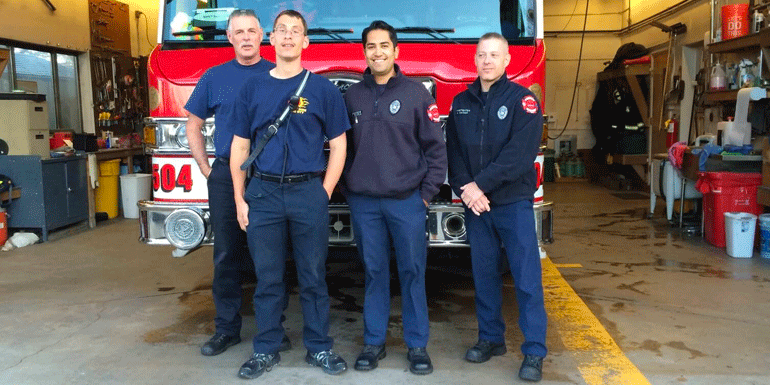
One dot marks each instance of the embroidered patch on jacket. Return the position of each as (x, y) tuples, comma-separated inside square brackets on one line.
[(395, 106), (529, 104), (462, 111), (433, 113), (302, 106), (502, 112)]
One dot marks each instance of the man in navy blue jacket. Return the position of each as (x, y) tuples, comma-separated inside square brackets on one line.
[(396, 163), (493, 134)]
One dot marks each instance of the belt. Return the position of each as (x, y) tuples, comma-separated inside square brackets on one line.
[(292, 178), (224, 160)]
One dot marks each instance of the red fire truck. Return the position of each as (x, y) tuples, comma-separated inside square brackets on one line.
[(437, 41)]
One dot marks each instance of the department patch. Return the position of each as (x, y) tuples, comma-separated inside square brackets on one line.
[(302, 106), (433, 113), (502, 112), (529, 104), (394, 107)]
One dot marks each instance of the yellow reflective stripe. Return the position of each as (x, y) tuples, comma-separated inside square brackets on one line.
[(599, 358), (568, 265)]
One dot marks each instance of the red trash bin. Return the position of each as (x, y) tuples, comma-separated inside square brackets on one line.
[(727, 192)]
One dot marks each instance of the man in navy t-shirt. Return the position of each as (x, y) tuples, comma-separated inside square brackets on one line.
[(214, 95), (286, 195)]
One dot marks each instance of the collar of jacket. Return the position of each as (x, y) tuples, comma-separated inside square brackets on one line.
[(369, 78), (475, 87)]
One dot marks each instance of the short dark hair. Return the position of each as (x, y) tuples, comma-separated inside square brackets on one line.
[(242, 12), (379, 24), (294, 14)]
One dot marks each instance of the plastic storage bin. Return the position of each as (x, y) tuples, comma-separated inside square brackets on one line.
[(106, 196), (727, 192), (134, 188), (739, 234)]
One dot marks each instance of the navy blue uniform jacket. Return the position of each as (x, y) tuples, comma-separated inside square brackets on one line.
[(495, 143), (395, 146)]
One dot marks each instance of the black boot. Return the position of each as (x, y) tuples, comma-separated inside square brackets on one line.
[(484, 350), (218, 344), (369, 356), (419, 361)]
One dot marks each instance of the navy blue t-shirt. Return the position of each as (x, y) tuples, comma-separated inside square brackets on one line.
[(321, 113), (214, 95)]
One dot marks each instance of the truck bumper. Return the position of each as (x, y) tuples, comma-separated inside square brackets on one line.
[(187, 227)]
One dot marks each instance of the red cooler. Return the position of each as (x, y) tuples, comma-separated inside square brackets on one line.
[(727, 192)]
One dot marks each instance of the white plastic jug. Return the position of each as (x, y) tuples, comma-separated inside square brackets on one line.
[(718, 79)]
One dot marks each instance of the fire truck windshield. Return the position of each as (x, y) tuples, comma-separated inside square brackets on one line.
[(200, 22)]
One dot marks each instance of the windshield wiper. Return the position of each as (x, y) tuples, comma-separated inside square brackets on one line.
[(205, 32), (436, 33), (332, 33)]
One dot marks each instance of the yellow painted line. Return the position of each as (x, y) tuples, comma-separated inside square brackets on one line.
[(599, 358), (567, 265)]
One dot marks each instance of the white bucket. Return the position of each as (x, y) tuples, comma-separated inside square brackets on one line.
[(134, 188), (739, 234)]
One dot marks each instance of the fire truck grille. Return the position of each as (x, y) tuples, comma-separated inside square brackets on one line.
[(340, 227)]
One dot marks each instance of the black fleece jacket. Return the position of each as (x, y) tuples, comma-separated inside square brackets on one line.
[(495, 143), (396, 144)]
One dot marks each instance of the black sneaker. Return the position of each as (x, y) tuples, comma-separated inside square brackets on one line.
[(419, 361), (369, 356), (484, 350), (258, 364), (218, 344), (329, 361), (531, 368), (285, 344)]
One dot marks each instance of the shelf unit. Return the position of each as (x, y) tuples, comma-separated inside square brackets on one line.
[(754, 41)]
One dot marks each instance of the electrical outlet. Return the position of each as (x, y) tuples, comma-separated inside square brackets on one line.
[(551, 118)]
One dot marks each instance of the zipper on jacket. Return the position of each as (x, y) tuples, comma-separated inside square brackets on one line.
[(484, 114), (376, 101)]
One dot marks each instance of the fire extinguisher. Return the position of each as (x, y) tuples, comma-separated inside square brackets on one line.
[(672, 134)]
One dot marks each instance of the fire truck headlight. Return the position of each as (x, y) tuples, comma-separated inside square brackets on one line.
[(185, 228), (180, 136)]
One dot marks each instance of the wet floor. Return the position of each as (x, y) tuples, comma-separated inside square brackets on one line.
[(88, 311)]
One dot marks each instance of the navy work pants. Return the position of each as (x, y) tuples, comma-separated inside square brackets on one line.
[(379, 223), (512, 225), (230, 253), (298, 212)]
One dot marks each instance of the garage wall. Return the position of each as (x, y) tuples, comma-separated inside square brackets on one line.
[(31, 21), (562, 19), (607, 19), (696, 16)]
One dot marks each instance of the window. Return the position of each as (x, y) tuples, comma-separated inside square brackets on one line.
[(5, 69), (69, 92), (34, 73), (53, 74)]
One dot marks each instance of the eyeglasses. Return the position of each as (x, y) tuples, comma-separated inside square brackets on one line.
[(285, 32)]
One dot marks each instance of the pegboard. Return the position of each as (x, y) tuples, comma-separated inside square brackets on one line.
[(110, 28)]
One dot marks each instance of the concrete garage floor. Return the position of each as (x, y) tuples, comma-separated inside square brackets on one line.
[(652, 306)]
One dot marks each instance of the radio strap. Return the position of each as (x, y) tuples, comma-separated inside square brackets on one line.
[(273, 128)]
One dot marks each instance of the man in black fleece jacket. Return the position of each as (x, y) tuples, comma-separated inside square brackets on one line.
[(493, 135), (396, 163)]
